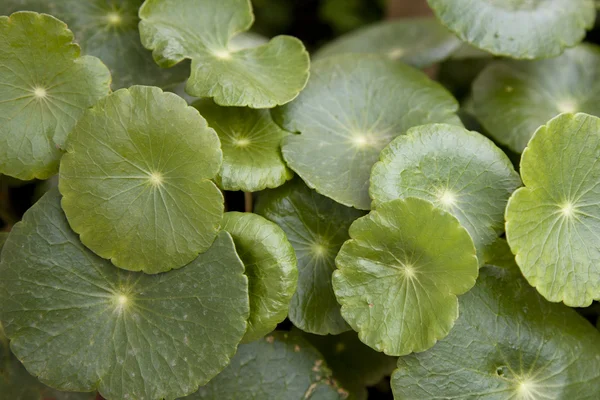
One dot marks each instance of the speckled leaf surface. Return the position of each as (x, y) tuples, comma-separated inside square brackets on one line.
[(279, 366), (45, 88), (508, 343), (458, 170), (417, 41), (352, 107), (399, 275), (258, 77), (135, 180), (271, 269), (316, 227), (518, 28), (79, 323), (514, 98), (250, 141), (553, 223)]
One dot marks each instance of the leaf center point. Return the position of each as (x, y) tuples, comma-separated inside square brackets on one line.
[(447, 198), (156, 179), (39, 92), (114, 18), (567, 106)]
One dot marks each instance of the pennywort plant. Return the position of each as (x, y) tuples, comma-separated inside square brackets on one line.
[(387, 228)]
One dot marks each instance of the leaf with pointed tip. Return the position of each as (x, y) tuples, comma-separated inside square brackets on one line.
[(46, 87), (316, 227), (553, 223), (399, 275), (352, 107), (79, 323), (518, 28), (419, 42), (250, 141), (271, 269), (460, 171), (258, 77)]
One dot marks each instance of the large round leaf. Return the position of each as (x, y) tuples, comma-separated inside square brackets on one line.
[(514, 98), (418, 42), (251, 147), (458, 170), (399, 275), (135, 180), (79, 323), (518, 28), (45, 88), (316, 227), (553, 223), (352, 107), (271, 269), (259, 77), (508, 343), (280, 366)]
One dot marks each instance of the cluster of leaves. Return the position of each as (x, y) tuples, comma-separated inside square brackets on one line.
[(379, 221)]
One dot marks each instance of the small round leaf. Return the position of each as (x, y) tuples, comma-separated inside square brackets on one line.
[(45, 88), (135, 180), (352, 107), (458, 170), (399, 275), (553, 223), (80, 324), (271, 269)]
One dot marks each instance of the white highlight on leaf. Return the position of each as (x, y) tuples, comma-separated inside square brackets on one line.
[(39, 92), (222, 54), (409, 271), (567, 210), (361, 140), (243, 142), (113, 18), (447, 198), (527, 390), (156, 179), (122, 300), (396, 53), (567, 106)]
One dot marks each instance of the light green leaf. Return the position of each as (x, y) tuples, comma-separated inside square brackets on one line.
[(280, 366), (514, 98), (553, 223), (46, 86), (250, 141), (271, 269), (518, 28), (352, 107), (259, 77), (460, 171), (79, 323), (399, 275), (417, 41), (316, 227), (135, 180), (508, 343), (3, 237)]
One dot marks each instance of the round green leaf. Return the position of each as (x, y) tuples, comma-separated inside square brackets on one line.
[(399, 275), (258, 77), (460, 171), (79, 323), (514, 98), (135, 180), (518, 28), (45, 88), (251, 147), (316, 227), (280, 366), (418, 41), (271, 269), (553, 223), (508, 343), (352, 107)]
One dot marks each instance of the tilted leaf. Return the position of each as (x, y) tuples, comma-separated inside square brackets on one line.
[(458, 170), (553, 223), (271, 269), (259, 77), (135, 180), (399, 275), (250, 141), (417, 41), (514, 98), (518, 28), (79, 323), (352, 107), (316, 227), (46, 86)]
